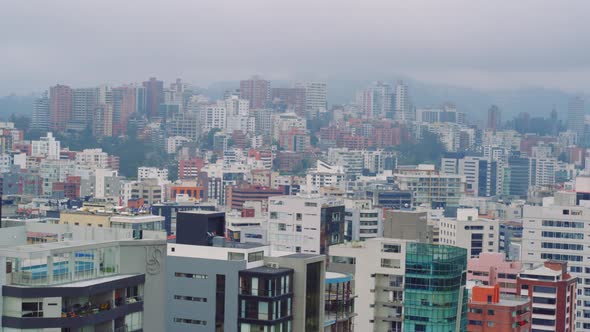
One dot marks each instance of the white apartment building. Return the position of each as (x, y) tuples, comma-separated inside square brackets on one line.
[(213, 116), (470, 232), (174, 142), (152, 173), (363, 221), (306, 224), (559, 230), (324, 175), (47, 147), (379, 267), (285, 121), (315, 97), (93, 157), (429, 186)]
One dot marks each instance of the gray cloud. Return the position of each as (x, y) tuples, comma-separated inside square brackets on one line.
[(485, 44)]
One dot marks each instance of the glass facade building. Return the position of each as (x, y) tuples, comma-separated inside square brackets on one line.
[(435, 299)]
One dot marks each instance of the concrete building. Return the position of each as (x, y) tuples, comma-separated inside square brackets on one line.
[(238, 287), (470, 232), (96, 285), (305, 224), (553, 293), (257, 91), (575, 116), (558, 230), (492, 268), (489, 310), (152, 173), (407, 225), (47, 147), (315, 97), (430, 187), (60, 107), (363, 221), (390, 275)]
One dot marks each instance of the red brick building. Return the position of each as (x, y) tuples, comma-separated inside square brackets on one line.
[(237, 195), (190, 168), (489, 311), (553, 294)]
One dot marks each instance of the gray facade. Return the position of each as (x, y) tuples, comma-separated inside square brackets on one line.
[(406, 225), (197, 288), (308, 287)]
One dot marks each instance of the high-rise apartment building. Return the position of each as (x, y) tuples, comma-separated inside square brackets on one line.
[(124, 106), (553, 293), (558, 231), (492, 268), (154, 96), (399, 284), (289, 100), (216, 285), (305, 224), (402, 106), (256, 90), (468, 231), (84, 101), (494, 118), (315, 97), (490, 311), (376, 101), (575, 116), (40, 120), (60, 106), (429, 186)]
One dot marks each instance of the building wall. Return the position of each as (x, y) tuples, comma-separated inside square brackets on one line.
[(148, 257), (201, 288)]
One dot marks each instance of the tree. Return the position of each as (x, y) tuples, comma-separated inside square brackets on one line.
[(428, 150)]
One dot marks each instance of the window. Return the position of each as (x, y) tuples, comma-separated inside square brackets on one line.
[(190, 298), (298, 228), (395, 248), (274, 215), (190, 275), (297, 249), (235, 256), (544, 289), (189, 321), (282, 227), (390, 263), (255, 256), (491, 312), (298, 216), (311, 204)]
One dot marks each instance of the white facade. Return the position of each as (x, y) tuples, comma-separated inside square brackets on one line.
[(560, 231), (93, 157), (213, 116), (402, 103), (315, 97), (363, 221), (379, 268), (152, 173), (47, 147), (295, 222), (285, 121), (325, 175), (174, 142), (470, 232)]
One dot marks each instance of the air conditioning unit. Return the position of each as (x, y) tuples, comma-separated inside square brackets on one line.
[(273, 265)]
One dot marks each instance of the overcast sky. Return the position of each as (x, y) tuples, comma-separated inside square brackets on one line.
[(483, 44)]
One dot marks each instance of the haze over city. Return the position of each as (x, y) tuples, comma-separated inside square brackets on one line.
[(294, 166), (488, 45)]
